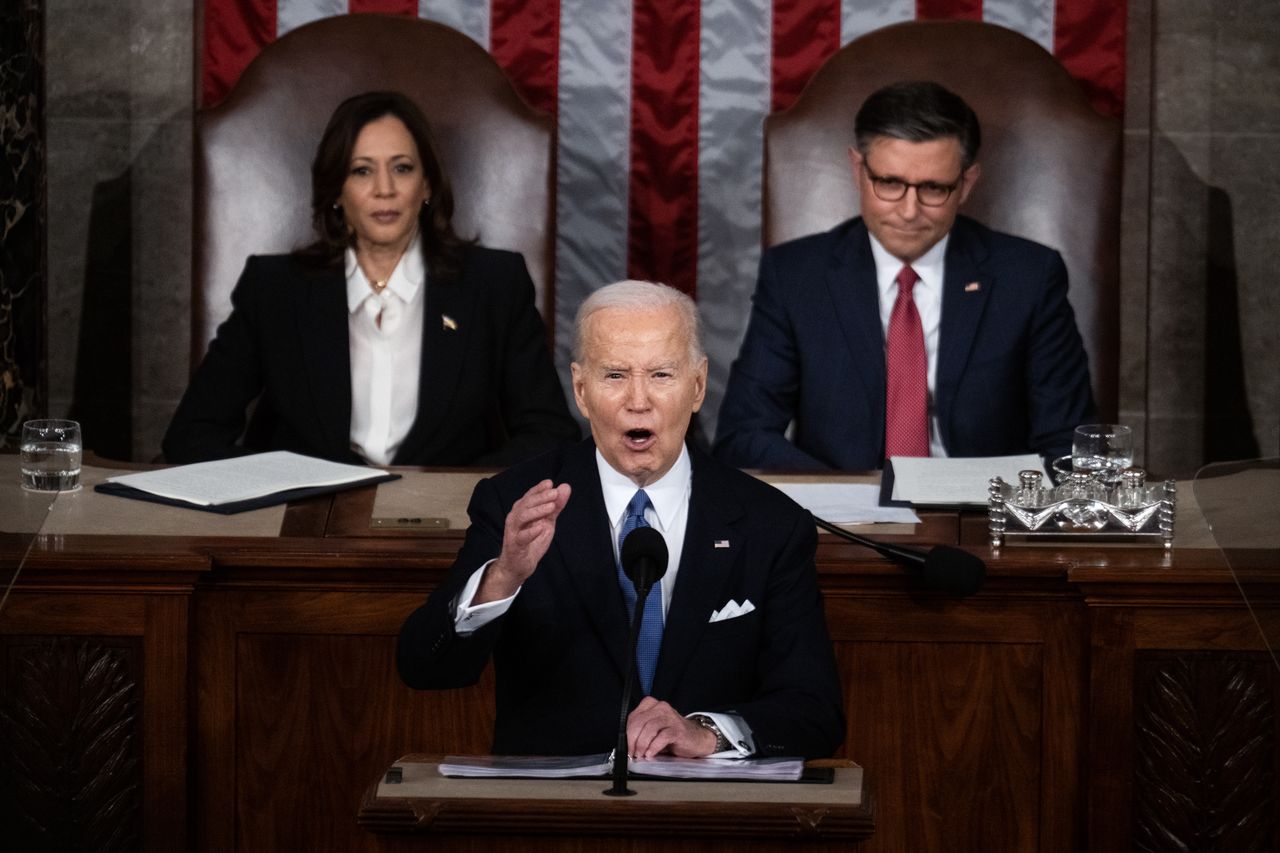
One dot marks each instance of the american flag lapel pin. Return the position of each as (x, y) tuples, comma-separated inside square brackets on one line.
[(448, 323), (721, 543), (972, 287)]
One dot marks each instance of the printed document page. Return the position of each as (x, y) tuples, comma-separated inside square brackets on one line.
[(953, 480), (244, 477)]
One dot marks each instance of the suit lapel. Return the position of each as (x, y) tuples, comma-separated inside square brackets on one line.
[(851, 283), (323, 335), (444, 346), (962, 308), (585, 551), (704, 569)]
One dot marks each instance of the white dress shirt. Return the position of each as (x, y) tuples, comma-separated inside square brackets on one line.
[(385, 334), (668, 514), (931, 267)]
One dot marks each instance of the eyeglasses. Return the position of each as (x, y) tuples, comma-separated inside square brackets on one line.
[(928, 193)]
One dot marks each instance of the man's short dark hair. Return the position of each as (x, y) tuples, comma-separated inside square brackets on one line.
[(918, 111)]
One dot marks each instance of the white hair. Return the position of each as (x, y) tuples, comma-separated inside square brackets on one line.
[(639, 296)]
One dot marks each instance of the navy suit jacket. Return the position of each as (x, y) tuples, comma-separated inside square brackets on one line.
[(1012, 374), (559, 650), (488, 392)]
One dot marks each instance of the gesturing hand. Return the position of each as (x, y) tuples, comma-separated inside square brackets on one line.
[(526, 535)]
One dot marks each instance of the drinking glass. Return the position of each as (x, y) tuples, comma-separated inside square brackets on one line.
[(50, 451), (1104, 449)]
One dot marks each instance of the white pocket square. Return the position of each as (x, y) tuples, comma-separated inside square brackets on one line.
[(732, 610)]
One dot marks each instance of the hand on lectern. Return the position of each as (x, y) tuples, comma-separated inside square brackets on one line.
[(654, 728)]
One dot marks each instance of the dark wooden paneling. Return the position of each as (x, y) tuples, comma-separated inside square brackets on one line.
[(1206, 751), (302, 686), (71, 743)]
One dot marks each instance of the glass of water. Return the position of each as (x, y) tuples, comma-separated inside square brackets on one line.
[(1102, 449), (51, 451)]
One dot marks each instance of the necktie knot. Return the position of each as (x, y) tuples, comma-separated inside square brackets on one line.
[(637, 506), (906, 279)]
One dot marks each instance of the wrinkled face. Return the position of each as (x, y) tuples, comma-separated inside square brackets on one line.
[(638, 387), (906, 227), (385, 187)]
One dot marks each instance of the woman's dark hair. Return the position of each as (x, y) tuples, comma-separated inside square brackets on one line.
[(918, 111), (441, 246)]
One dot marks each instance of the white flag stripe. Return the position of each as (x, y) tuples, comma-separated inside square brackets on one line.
[(1032, 18), (465, 16), (593, 156), (859, 17), (733, 99), (291, 14)]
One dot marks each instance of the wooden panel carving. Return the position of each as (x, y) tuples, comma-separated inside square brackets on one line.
[(70, 744), (1205, 752)]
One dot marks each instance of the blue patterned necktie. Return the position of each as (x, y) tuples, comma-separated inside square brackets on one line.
[(650, 639)]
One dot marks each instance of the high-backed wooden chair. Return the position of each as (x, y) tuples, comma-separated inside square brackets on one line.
[(1050, 163), (254, 150)]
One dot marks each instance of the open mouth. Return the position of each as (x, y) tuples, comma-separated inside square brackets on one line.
[(639, 439), (386, 216)]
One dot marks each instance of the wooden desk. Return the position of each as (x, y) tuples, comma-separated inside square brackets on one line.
[(246, 685), (481, 814)]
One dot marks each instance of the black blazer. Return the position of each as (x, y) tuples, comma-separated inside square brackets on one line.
[(1012, 375), (559, 650), (488, 392)]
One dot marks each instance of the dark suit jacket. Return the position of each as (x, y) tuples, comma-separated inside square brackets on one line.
[(559, 651), (488, 392), (1012, 373)]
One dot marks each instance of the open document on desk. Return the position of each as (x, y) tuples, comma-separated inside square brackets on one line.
[(243, 482), (601, 765), (955, 481)]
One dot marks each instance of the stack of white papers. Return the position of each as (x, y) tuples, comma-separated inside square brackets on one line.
[(601, 765), (846, 503), (950, 481), (243, 478)]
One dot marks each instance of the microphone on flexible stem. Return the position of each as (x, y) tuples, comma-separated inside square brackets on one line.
[(644, 561), (943, 568)]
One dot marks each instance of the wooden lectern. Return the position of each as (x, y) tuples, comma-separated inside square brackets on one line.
[(536, 814)]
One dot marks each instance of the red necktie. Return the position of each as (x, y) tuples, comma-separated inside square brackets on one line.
[(906, 409)]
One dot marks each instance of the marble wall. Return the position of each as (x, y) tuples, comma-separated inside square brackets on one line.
[(1200, 332), (1199, 308), (23, 269), (120, 99)]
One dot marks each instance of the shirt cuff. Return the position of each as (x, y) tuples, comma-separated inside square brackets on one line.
[(467, 619), (735, 729)]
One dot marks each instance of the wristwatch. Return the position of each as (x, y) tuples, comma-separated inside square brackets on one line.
[(722, 742)]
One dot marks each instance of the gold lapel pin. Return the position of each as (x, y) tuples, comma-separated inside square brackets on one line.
[(448, 323)]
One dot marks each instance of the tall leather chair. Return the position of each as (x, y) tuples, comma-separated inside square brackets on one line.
[(1050, 163), (254, 150)]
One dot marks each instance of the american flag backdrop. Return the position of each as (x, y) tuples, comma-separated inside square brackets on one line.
[(659, 107)]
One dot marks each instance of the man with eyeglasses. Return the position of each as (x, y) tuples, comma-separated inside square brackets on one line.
[(910, 330)]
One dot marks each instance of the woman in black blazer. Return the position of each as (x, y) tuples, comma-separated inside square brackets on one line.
[(388, 340)]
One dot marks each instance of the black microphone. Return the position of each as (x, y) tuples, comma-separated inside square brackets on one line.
[(644, 561), (943, 568)]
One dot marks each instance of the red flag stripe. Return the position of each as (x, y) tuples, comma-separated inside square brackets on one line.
[(524, 38), (234, 32), (1088, 39), (662, 227), (385, 7), (969, 10), (804, 35)]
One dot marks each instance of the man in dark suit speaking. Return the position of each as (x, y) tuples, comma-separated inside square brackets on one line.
[(910, 330), (737, 660)]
